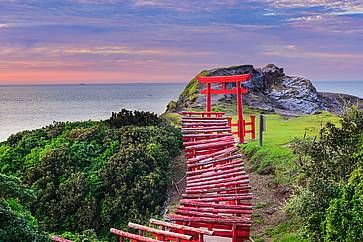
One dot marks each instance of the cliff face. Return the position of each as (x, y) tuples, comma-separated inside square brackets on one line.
[(270, 90)]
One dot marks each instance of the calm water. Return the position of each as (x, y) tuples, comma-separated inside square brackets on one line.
[(30, 107), (348, 87)]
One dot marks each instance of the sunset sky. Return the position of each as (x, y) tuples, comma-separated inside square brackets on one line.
[(108, 41)]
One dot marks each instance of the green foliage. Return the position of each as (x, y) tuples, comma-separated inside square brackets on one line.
[(134, 183), (91, 175), (344, 219), (85, 236), (190, 92), (318, 167), (11, 187), (16, 222), (171, 107), (333, 155), (329, 205), (267, 160), (285, 232), (137, 118), (15, 226)]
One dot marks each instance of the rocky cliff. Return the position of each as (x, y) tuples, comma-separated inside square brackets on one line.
[(270, 90)]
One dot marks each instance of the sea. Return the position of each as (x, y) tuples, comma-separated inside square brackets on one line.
[(27, 107)]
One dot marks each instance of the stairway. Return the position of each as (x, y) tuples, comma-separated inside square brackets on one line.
[(218, 195)]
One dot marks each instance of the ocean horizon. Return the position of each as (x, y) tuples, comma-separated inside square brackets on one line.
[(354, 88), (27, 107)]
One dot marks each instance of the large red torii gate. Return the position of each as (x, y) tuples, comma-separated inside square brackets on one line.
[(238, 90)]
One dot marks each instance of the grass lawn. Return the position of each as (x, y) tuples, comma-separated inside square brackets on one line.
[(275, 154)]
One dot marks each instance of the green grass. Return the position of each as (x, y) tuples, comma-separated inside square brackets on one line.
[(280, 130), (285, 232), (174, 118), (275, 155)]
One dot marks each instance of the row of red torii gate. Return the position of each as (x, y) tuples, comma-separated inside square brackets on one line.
[(217, 202)]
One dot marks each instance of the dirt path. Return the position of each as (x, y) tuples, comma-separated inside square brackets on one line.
[(178, 169), (268, 198)]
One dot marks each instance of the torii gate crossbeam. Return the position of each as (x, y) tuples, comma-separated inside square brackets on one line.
[(238, 90)]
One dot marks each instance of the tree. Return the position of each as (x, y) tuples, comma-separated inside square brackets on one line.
[(16, 221)]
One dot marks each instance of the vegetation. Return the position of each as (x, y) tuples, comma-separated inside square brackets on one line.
[(330, 199), (320, 158), (190, 93), (16, 222), (82, 178), (174, 118), (323, 166), (136, 118), (171, 107)]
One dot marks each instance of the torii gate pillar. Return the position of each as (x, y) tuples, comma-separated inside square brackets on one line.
[(238, 90), (209, 98), (241, 128)]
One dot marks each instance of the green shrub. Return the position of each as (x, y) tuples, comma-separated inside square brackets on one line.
[(137, 118), (344, 219), (16, 221), (328, 202), (92, 175)]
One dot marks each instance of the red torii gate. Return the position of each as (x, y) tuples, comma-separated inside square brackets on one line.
[(238, 90)]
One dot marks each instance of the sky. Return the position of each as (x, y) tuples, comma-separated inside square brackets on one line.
[(109, 41)]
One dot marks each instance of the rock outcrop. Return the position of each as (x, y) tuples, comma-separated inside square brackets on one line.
[(270, 90)]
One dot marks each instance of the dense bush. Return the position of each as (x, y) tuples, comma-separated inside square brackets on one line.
[(90, 176), (329, 199), (344, 219), (137, 118), (16, 222)]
